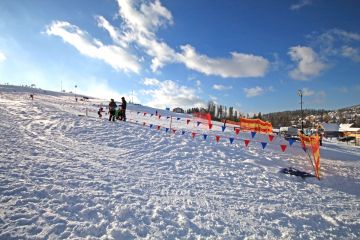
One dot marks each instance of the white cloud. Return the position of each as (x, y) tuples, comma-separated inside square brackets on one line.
[(2, 57), (309, 64), (221, 87), (170, 94), (113, 55), (253, 92), (307, 92), (151, 82), (240, 65), (300, 4), (350, 52)]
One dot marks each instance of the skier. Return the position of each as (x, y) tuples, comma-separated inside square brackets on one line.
[(123, 109), (101, 109), (112, 110)]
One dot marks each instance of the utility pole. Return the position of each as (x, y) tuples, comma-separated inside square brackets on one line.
[(300, 93)]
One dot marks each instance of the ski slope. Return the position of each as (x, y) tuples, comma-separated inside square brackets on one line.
[(65, 175)]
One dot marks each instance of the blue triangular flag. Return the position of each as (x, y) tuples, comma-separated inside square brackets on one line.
[(151, 115), (198, 123), (205, 136), (182, 132), (178, 118), (166, 129), (231, 140), (167, 117), (138, 112), (253, 134), (291, 141), (223, 128), (151, 125), (304, 148), (263, 144)]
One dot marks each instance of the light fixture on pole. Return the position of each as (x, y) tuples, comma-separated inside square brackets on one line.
[(300, 93)]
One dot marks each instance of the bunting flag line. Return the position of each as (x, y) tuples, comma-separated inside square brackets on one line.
[(263, 144), (271, 137), (231, 140), (246, 142), (205, 136), (237, 130), (283, 147), (217, 138)]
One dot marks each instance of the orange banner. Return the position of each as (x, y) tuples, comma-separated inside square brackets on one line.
[(313, 143), (253, 125)]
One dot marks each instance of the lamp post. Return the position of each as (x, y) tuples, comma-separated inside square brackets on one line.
[(300, 93)]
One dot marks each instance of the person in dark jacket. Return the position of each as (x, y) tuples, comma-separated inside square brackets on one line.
[(123, 109), (112, 110)]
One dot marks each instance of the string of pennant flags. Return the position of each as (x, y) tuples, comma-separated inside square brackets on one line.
[(207, 136)]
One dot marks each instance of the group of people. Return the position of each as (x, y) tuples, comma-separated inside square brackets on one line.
[(114, 112)]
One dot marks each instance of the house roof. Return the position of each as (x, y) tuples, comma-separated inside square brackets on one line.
[(330, 127)]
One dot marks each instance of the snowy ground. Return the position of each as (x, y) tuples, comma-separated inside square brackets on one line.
[(65, 176)]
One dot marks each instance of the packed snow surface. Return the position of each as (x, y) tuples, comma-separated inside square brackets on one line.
[(65, 175)]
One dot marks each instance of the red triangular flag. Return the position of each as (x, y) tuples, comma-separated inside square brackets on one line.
[(246, 142), (144, 113), (271, 137), (237, 130), (187, 121), (158, 127), (174, 131), (217, 138), (283, 148), (144, 123), (159, 116), (193, 134), (210, 125)]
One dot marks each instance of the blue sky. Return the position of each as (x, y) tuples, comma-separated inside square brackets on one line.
[(253, 55)]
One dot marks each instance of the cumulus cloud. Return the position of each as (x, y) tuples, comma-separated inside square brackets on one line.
[(151, 82), (221, 87), (113, 55), (2, 57), (307, 92), (140, 22), (253, 92), (309, 64), (170, 94), (300, 4), (240, 65)]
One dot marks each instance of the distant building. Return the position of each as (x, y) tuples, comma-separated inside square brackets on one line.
[(178, 110), (330, 129)]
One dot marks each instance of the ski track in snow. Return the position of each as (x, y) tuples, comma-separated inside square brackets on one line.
[(63, 176)]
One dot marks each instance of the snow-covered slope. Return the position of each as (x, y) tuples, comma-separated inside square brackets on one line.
[(67, 176)]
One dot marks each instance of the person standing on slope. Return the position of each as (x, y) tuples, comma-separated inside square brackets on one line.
[(112, 110), (123, 109)]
